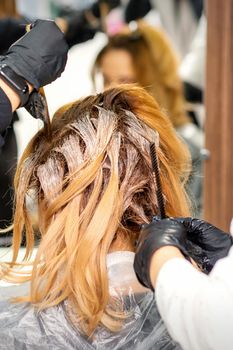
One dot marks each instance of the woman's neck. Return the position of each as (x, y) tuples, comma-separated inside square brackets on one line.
[(122, 243)]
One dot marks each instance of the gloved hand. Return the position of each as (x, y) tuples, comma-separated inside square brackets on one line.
[(153, 236), (40, 55), (206, 243)]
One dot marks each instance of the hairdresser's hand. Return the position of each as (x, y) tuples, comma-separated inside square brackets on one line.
[(40, 55), (158, 234), (206, 243)]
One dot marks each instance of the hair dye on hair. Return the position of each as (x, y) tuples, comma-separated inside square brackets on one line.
[(94, 187)]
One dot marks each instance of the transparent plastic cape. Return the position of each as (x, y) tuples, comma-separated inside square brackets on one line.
[(23, 328)]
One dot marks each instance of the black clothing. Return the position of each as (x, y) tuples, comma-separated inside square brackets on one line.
[(5, 115), (79, 29), (137, 9), (11, 29), (38, 61), (8, 160), (192, 93)]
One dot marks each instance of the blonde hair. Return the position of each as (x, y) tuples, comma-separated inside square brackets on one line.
[(92, 180), (156, 67)]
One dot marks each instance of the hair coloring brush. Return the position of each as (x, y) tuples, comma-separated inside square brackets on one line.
[(37, 106), (156, 175)]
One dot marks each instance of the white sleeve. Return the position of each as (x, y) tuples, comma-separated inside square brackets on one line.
[(197, 309)]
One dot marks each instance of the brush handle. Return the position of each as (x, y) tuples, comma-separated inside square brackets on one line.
[(156, 174)]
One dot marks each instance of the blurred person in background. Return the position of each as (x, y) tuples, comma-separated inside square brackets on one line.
[(145, 56), (185, 24), (175, 16), (181, 20)]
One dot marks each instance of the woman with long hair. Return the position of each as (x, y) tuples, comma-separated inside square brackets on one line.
[(145, 56), (90, 174)]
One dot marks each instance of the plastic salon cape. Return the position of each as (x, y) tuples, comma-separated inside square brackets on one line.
[(23, 328)]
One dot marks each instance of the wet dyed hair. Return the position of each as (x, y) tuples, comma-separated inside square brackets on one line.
[(92, 181)]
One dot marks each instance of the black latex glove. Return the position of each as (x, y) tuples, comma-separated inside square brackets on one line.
[(206, 244), (40, 55), (153, 236)]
